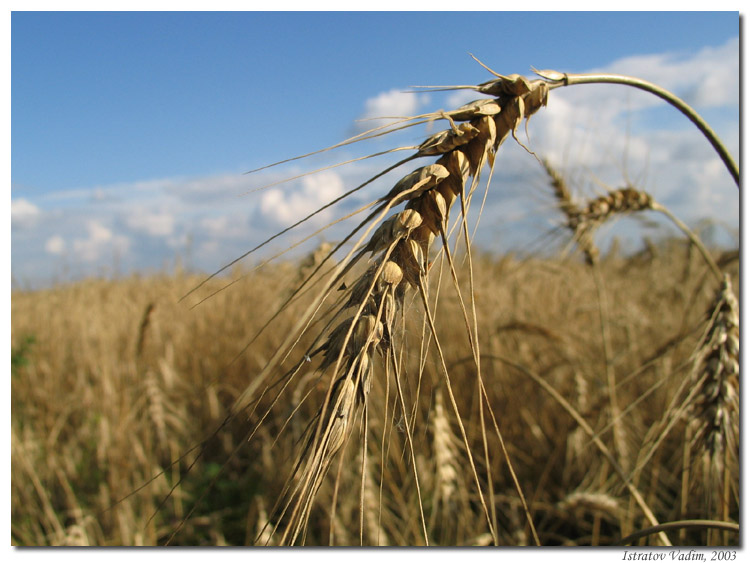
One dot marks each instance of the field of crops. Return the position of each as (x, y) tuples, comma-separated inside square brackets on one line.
[(594, 410)]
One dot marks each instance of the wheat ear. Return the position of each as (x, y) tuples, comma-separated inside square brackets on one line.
[(715, 411), (400, 246)]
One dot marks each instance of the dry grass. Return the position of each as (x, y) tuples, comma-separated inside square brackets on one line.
[(412, 393)]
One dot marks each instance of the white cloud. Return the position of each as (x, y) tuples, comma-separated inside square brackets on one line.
[(710, 78), (215, 226), (394, 103), (23, 213), (287, 206), (215, 188), (153, 223), (100, 240), (55, 245), (227, 226)]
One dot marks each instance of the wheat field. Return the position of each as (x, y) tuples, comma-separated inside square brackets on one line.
[(398, 387)]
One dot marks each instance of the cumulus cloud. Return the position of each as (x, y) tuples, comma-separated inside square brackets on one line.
[(100, 240), (393, 103), (286, 206), (23, 213)]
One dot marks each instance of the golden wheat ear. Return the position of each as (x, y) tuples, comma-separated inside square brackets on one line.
[(715, 410), (400, 247)]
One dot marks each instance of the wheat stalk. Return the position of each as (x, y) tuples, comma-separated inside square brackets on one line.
[(400, 246)]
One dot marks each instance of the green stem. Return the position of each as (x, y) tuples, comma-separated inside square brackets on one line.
[(679, 525), (558, 79)]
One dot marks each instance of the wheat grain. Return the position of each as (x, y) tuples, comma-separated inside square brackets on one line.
[(446, 456), (715, 411), (583, 220), (400, 246)]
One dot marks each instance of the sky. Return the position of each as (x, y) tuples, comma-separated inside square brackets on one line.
[(132, 132)]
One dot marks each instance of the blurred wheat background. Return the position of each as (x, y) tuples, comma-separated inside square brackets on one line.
[(113, 380)]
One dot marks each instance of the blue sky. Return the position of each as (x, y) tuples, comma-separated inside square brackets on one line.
[(130, 132)]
